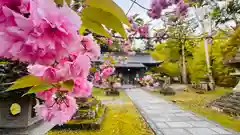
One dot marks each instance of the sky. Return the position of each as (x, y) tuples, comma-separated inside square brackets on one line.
[(126, 4)]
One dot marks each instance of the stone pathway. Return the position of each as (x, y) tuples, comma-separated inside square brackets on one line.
[(166, 118)]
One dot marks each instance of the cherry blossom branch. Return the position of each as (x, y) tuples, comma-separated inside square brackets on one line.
[(139, 5), (193, 38), (131, 7)]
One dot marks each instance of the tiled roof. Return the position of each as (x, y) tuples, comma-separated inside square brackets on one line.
[(138, 58), (131, 65)]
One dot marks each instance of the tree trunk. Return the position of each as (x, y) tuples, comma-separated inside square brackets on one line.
[(209, 68), (183, 61), (180, 69)]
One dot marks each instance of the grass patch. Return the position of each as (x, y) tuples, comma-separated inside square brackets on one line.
[(197, 103), (121, 119)]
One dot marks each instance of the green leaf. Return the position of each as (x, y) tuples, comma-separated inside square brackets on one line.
[(215, 12), (68, 84), (111, 7), (59, 2), (139, 21), (24, 82), (93, 70), (4, 62), (15, 109), (39, 88), (68, 2), (82, 30), (105, 18), (94, 27)]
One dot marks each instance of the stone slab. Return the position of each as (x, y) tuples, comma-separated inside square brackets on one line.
[(221, 131), (162, 125), (201, 124), (202, 131), (179, 124), (179, 131)]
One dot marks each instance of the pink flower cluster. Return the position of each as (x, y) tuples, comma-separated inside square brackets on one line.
[(106, 69), (46, 36), (157, 6), (110, 42), (107, 72), (75, 68), (181, 9), (47, 33), (57, 111), (97, 76), (134, 28), (127, 46), (144, 31)]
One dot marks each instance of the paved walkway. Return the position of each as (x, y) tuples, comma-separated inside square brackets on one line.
[(165, 118)]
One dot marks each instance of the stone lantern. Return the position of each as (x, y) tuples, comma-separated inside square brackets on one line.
[(24, 121), (17, 114), (230, 103), (235, 62)]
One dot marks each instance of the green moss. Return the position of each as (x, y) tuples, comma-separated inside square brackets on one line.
[(99, 114), (197, 103), (121, 119), (99, 94)]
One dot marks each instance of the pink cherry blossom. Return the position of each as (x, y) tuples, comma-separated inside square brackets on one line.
[(90, 48), (57, 111), (157, 6), (127, 46), (144, 31), (16, 5), (110, 42), (80, 67), (175, 1), (49, 34), (43, 112), (24, 7), (65, 70), (47, 94), (130, 19), (134, 27), (82, 88), (46, 36), (47, 73), (37, 70), (97, 76), (107, 72), (181, 9), (64, 110), (50, 75)]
